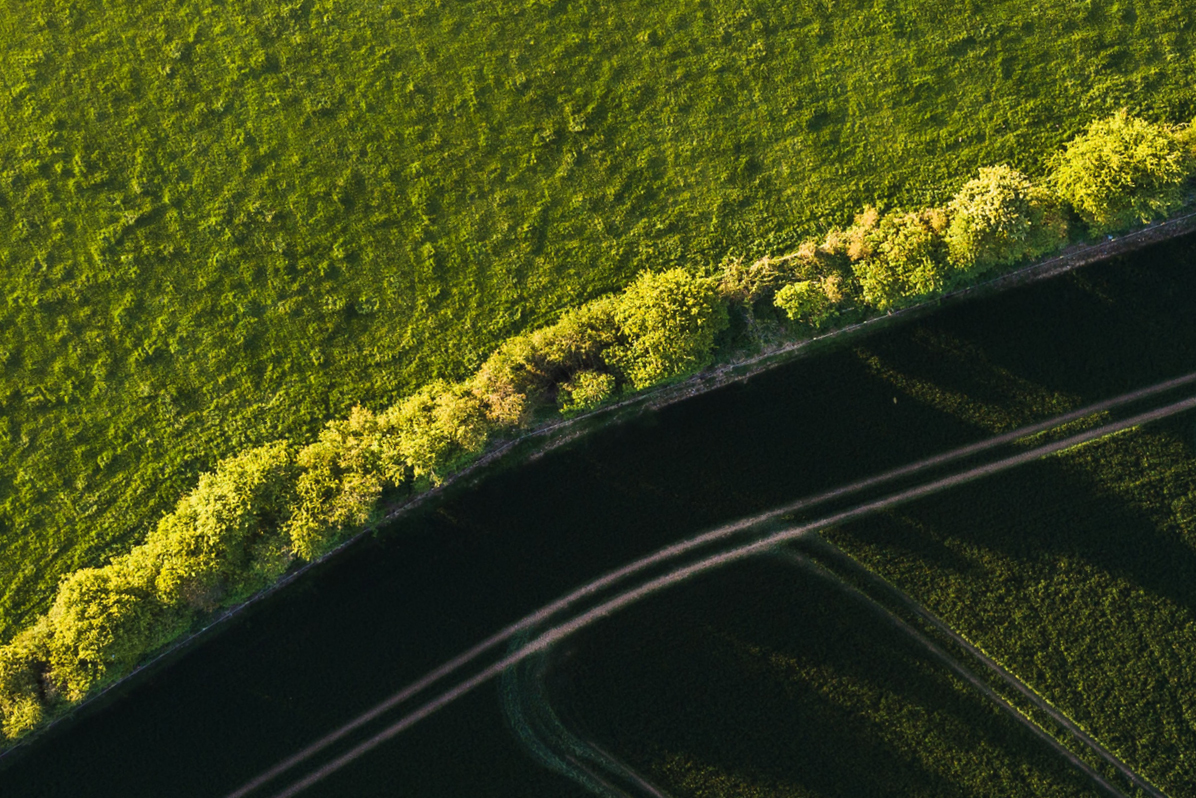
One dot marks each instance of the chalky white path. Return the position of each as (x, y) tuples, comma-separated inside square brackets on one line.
[(562, 630)]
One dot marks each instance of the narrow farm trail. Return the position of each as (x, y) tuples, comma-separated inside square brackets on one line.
[(961, 669), (685, 560), (565, 747)]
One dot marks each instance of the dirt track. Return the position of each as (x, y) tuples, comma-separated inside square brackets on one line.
[(734, 547)]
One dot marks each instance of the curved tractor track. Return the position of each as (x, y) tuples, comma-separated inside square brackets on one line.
[(702, 554), (561, 744)]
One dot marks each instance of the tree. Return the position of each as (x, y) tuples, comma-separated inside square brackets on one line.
[(224, 540), (586, 390), (1186, 135), (806, 302), (1123, 171), (510, 380), (897, 258), (23, 666), (341, 478), (1000, 218), (529, 368), (438, 427), (747, 284), (669, 321), (102, 621), (580, 339)]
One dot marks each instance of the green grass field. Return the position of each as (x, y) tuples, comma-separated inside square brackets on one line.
[(224, 223), (769, 683)]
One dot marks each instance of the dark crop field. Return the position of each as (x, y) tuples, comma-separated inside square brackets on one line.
[(1076, 573), (766, 682), (221, 223)]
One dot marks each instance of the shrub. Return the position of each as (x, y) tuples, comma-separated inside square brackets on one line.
[(224, 540), (806, 302), (669, 321), (340, 480), (897, 258), (101, 622), (763, 278), (749, 283), (23, 665), (438, 427), (1186, 134), (1122, 171), (529, 368), (581, 338), (509, 379), (586, 390), (1000, 218)]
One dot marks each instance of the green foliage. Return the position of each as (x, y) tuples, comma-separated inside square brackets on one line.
[(586, 390), (669, 320), (223, 541), (898, 258), (341, 477), (1186, 135), (806, 302), (1123, 171), (764, 277), (101, 622), (528, 369), (1000, 218), (23, 664), (438, 428), (223, 228)]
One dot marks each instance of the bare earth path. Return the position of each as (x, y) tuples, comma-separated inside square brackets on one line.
[(736, 542)]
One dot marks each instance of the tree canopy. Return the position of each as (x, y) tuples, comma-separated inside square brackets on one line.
[(897, 258), (223, 540), (1123, 171), (1000, 218), (669, 321)]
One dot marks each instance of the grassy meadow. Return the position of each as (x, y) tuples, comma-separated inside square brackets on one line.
[(222, 223)]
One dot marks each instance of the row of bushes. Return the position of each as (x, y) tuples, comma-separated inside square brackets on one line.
[(1120, 172), (259, 511)]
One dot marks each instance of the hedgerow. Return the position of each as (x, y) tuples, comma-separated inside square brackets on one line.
[(259, 511)]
